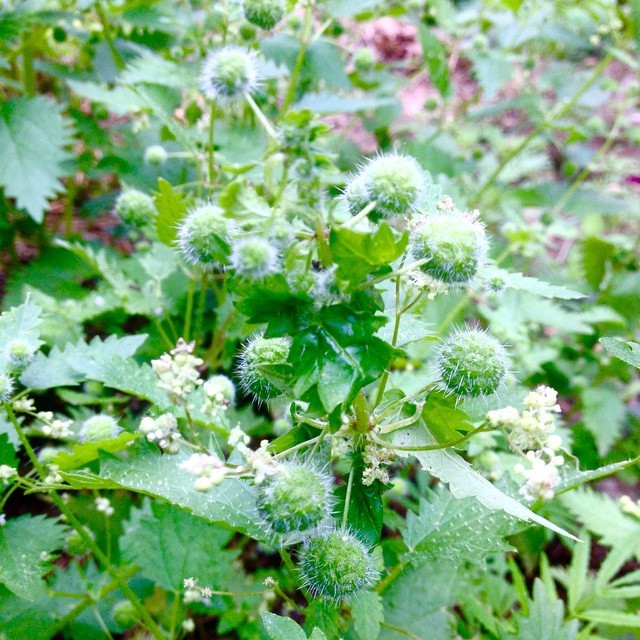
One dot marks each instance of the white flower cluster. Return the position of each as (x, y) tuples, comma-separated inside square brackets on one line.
[(534, 428), (53, 475), (446, 204), (54, 428), (260, 462), (425, 282), (542, 477), (177, 371), (208, 470), (7, 472), (533, 431), (104, 505), (219, 394), (376, 460), (162, 430), (23, 404), (629, 506), (193, 592)]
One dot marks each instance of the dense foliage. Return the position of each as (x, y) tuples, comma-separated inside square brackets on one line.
[(320, 319)]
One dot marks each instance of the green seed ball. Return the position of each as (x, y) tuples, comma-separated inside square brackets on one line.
[(264, 13), (336, 565), (264, 371), (155, 155), (454, 245), (396, 183), (204, 237), (254, 258), (135, 207), (247, 31), (472, 363), (19, 352), (297, 498), (124, 614), (363, 60), (98, 428), (6, 387)]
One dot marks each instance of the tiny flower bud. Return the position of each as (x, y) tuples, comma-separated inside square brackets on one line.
[(19, 352), (124, 614), (363, 60), (155, 155)]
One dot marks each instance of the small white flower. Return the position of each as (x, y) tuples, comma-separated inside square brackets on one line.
[(208, 470), (23, 404), (162, 430), (3, 519), (104, 505), (237, 435), (188, 625), (7, 472), (542, 477), (219, 394), (177, 372), (189, 583)]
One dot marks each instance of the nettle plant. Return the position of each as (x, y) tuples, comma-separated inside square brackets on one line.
[(261, 463)]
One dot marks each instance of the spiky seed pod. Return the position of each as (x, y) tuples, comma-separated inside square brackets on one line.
[(6, 387), (455, 246), (263, 370), (155, 155), (136, 208), (363, 60), (254, 258), (263, 13), (125, 614), (204, 237), (395, 182), (335, 564), (228, 73), (19, 352), (99, 427), (296, 499), (472, 363)]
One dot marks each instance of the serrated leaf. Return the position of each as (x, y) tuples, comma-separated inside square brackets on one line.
[(172, 205), (119, 100), (153, 69), (443, 418), (516, 280), (603, 413), (19, 323), (77, 362), (325, 102), (280, 628), (571, 478), (611, 618), (435, 56), (457, 530), (33, 137), (492, 70), (88, 451), (545, 620), (169, 545), (23, 541), (367, 613), (463, 480), (232, 503), (628, 352)]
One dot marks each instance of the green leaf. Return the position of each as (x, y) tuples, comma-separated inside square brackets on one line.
[(367, 613), (628, 352), (119, 100), (33, 137), (317, 634), (612, 618), (279, 628), (435, 56), (169, 545), (23, 542), (77, 362), (151, 473), (37, 619), (417, 601), (492, 70), (19, 323), (325, 102), (602, 516), (457, 530), (358, 254), (603, 413), (443, 418), (172, 205), (545, 620), (515, 280), (463, 480), (89, 451), (153, 69)]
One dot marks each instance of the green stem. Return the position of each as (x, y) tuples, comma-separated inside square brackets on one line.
[(202, 298), (347, 497), (168, 344), (106, 28), (360, 215), (427, 447), (189, 310), (72, 190), (266, 125), (394, 340), (390, 577), (404, 632), (28, 72), (286, 558), (297, 68), (145, 616), (211, 147), (547, 122)]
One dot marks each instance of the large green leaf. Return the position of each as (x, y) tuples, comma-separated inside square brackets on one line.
[(603, 413), (628, 352), (33, 137), (456, 530), (172, 207), (24, 541), (463, 480), (280, 628), (170, 544), (515, 280), (367, 613)]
